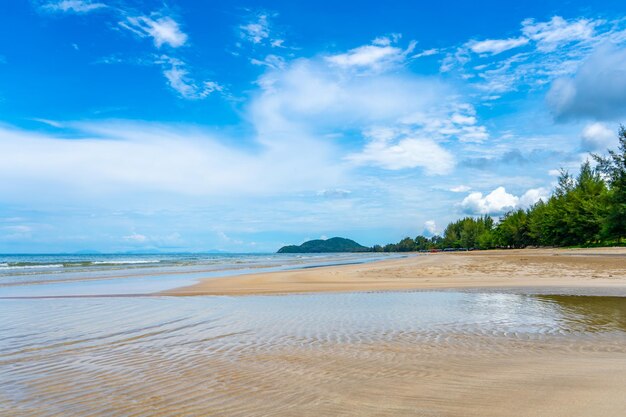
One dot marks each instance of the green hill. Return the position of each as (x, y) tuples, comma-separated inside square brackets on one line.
[(335, 244)]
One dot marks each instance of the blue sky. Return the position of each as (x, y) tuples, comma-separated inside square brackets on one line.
[(243, 126)]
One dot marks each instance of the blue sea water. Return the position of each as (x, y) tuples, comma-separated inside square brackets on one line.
[(128, 274)]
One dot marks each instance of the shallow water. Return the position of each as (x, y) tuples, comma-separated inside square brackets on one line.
[(65, 275), (228, 355)]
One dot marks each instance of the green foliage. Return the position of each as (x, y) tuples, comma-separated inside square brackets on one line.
[(614, 168), (390, 247), (406, 245), (539, 223), (469, 233), (335, 244), (377, 248), (513, 230), (572, 216), (420, 243)]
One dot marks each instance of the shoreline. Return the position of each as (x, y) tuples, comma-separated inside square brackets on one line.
[(588, 271)]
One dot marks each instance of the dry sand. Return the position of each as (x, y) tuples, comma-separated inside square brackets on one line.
[(580, 271)]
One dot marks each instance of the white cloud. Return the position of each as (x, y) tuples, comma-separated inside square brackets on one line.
[(532, 196), (73, 6), (460, 189), (277, 43), (295, 115), (405, 120), (553, 49), (334, 193), (258, 30), (598, 89), (426, 52), (48, 122), (387, 40), (17, 232), (136, 160), (405, 152), (598, 137), (498, 201), (378, 56), (504, 76), (452, 120), (430, 227), (558, 31), (136, 237), (311, 93), (178, 79), (270, 61), (460, 57), (496, 46), (163, 30), (18, 229)]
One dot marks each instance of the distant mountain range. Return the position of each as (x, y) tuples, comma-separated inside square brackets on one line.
[(335, 244)]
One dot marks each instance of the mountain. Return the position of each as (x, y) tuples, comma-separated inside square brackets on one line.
[(335, 244)]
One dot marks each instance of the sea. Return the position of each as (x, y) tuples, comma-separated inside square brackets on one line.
[(135, 274)]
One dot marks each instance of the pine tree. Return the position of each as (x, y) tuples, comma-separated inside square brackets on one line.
[(614, 167)]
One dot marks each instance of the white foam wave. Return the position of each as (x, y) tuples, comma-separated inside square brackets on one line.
[(7, 266)]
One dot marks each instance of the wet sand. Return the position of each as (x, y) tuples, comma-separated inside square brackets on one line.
[(466, 376), (408, 354), (343, 349), (599, 271), (502, 379)]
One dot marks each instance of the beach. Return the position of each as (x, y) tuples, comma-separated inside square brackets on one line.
[(599, 271), (496, 333), (311, 209)]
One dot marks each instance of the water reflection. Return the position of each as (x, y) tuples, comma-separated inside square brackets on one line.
[(589, 314), (33, 323)]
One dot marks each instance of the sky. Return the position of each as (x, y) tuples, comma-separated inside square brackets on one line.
[(131, 125)]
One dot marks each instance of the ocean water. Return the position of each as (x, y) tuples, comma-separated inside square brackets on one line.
[(117, 274)]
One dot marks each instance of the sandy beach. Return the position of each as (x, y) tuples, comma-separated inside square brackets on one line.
[(455, 377), (474, 375), (599, 271), (446, 334)]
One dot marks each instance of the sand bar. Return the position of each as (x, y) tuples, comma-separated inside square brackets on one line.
[(598, 271)]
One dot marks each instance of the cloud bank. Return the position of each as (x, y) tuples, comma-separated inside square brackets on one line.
[(498, 201), (596, 91)]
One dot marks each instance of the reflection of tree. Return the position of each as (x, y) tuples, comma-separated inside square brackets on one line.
[(590, 314)]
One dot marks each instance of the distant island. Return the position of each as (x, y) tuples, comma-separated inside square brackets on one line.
[(335, 244)]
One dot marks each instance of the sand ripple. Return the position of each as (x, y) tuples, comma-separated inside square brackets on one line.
[(341, 354)]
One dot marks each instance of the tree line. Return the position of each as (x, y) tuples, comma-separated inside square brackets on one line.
[(586, 210)]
